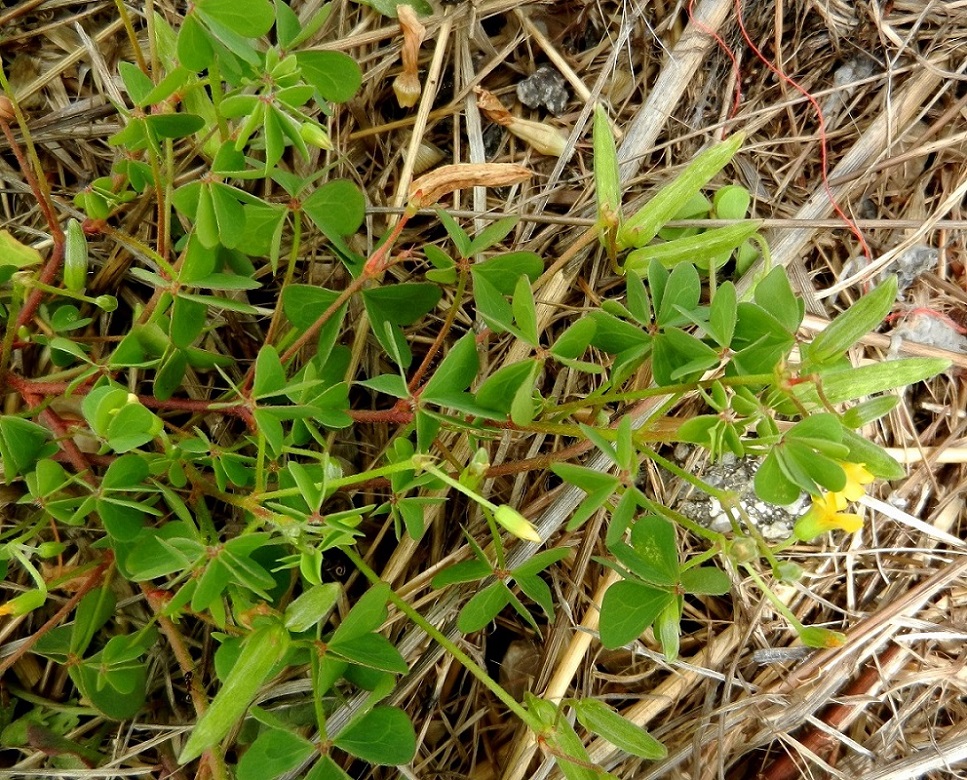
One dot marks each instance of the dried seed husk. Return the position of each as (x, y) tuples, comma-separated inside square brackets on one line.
[(543, 138), (621, 86), (407, 85), (490, 104), (430, 187), (427, 155), (407, 88)]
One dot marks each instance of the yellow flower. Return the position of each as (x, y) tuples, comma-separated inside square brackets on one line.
[(857, 477), (826, 514)]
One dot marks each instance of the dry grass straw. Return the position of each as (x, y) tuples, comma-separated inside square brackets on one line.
[(889, 704)]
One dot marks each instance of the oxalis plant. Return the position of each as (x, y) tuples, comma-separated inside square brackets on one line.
[(216, 514)]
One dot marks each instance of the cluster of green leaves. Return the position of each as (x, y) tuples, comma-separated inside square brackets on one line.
[(763, 403), (247, 106), (114, 678), (255, 112), (560, 737), (379, 734)]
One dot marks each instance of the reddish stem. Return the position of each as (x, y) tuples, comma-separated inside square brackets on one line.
[(400, 414), (67, 444), (49, 272), (93, 580), (196, 406), (374, 266), (822, 742)]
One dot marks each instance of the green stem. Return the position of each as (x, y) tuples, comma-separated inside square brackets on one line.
[(441, 336), (713, 537), (215, 85), (495, 535), (678, 471), (776, 601), (10, 332), (260, 463), (62, 292), (443, 476), (440, 638), (318, 700), (294, 253), (341, 482), (377, 263), (651, 392), (132, 243), (133, 36)]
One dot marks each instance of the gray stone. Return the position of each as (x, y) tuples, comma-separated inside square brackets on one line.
[(544, 88), (737, 475)]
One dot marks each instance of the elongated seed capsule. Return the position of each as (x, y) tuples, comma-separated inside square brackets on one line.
[(643, 225), (75, 257), (261, 651)]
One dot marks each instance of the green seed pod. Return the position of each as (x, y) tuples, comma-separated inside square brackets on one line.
[(75, 257), (744, 550), (606, 182), (50, 549)]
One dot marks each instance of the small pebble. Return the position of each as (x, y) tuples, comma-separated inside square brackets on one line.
[(547, 88)]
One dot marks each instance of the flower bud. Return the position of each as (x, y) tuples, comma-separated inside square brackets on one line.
[(472, 476), (744, 550), (50, 549), (24, 603), (7, 114), (516, 523), (106, 302), (813, 636), (315, 135)]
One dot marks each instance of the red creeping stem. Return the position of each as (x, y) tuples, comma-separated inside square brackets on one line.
[(823, 145)]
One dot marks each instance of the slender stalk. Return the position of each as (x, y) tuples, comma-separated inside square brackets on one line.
[(289, 273), (776, 602), (216, 760), (373, 267), (447, 324), (438, 636)]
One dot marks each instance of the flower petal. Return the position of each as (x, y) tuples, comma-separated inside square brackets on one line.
[(848, 522), (857, 477)]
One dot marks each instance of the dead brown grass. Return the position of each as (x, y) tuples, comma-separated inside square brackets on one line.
[(887, 705)]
